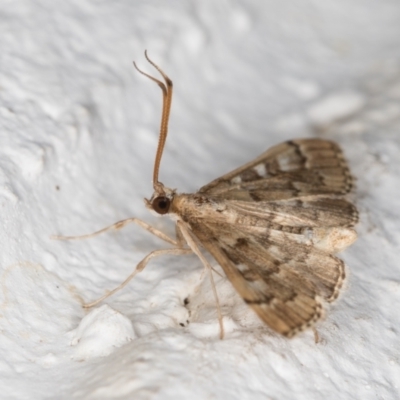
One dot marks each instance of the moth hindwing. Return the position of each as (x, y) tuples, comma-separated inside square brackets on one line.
[(273, 226)]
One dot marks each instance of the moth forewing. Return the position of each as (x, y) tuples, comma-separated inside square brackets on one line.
[(272, 225), (277, 253), (313, 163)]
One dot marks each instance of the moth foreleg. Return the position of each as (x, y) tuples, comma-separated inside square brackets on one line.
[(122, 224), (142, 264), (180, 225), (179, 237), (316, 335)]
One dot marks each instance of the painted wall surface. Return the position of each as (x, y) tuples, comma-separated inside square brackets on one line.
[(78, 132)]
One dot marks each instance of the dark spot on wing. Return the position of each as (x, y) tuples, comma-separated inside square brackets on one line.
[(241, 243), (299, 153), (249, 175), (231, 256), (254, 196), (272, 167), (200, 200)]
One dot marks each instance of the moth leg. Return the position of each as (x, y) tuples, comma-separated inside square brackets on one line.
[(217, 272), (179, 237), (195, 249), (181, 242), (122, 224), (206, 270), (316, 335), (140, 267)]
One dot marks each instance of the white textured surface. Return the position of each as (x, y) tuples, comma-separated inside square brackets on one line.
[(78, 136), (99, 332)]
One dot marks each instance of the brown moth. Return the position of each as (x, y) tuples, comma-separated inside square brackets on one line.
[(273, 226)]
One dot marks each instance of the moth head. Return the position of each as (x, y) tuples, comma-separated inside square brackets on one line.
[(161, 200)]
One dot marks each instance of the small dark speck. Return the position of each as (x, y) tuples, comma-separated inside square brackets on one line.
[(57, 187), (181, 324), (186, 301)]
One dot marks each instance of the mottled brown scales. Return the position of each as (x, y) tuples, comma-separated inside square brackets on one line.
[(273, 226), (285, 238), (249, 175)]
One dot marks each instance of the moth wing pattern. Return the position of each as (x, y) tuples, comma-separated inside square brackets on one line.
[(280, 218), (289, 170), (282, 280)]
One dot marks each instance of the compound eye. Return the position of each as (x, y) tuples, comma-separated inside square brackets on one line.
[(161, 204)]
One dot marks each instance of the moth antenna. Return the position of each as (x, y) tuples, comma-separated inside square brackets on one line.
[(167, 99)]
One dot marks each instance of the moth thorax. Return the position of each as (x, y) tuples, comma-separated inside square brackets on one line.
[(161, 204)]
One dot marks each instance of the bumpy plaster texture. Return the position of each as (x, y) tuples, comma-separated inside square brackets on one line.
[(78, 136)]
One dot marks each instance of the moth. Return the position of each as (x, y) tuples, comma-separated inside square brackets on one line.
[(272, 224)]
